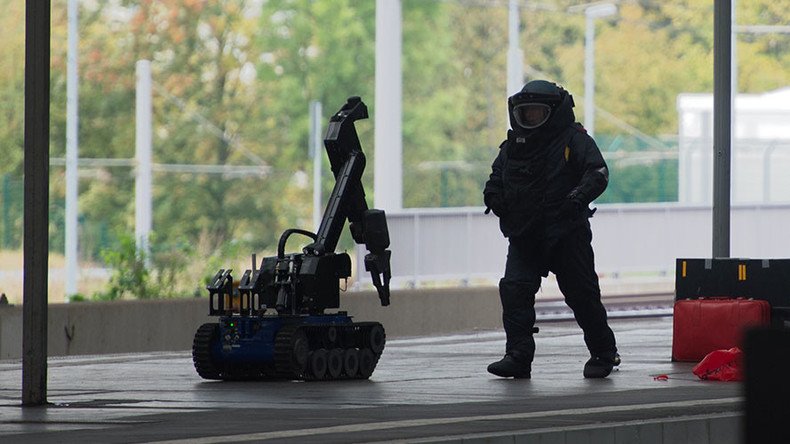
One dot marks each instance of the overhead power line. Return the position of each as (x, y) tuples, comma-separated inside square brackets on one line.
[(763, 29), (227, 170), (209, 125), (618, 122), (522, 4)]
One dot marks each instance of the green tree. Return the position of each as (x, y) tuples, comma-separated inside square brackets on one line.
[(12, 86), (456, 80), (12, 78), (311, 51)]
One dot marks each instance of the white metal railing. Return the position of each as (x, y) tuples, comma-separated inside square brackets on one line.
[(464, 245)]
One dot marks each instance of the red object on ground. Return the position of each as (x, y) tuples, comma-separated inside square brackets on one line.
[(721, 365), (703, 325)]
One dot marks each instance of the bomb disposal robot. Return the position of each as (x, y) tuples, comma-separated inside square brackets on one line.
[(273, 324)]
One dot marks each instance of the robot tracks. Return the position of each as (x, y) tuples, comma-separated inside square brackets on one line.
[(311, 352)]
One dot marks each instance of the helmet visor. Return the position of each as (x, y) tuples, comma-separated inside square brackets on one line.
[(531, 115)]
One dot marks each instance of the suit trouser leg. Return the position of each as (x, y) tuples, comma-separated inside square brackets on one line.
[(517, 293), (574, 266)]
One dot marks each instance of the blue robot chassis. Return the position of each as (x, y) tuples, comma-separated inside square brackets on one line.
[(272, 322), (305, 347)]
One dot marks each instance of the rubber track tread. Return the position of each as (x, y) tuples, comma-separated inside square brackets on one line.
[(201, 351), (354, 335), (283, 350)]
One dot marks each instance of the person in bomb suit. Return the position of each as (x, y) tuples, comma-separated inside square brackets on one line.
[(541, 184)]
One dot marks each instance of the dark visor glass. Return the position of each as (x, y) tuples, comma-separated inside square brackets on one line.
[(531, 115)]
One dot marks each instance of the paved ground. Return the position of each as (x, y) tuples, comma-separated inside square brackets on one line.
[(428, 389)]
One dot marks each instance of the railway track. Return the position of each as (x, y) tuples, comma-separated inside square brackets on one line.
[(617, 306)]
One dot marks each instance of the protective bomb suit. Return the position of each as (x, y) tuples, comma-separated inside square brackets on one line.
[(541, 184)]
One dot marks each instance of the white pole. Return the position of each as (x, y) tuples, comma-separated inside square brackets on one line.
[(515, 57), (591, 13), (589, 75), (734, 53), (388, 138), (317, 153), (72, 150), (142, 208), (734, 82)]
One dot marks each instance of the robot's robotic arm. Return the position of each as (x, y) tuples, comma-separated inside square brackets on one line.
[(347, 201)]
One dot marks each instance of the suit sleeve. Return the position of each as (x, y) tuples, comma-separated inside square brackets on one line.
[(592, 168), (494, 182)]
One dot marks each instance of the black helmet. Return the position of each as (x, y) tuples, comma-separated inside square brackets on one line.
[(535, 104)]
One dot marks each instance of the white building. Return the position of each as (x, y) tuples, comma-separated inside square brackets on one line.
[(760, 147)]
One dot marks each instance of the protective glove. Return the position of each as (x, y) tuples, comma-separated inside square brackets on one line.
[(571, 208), (495, 203)]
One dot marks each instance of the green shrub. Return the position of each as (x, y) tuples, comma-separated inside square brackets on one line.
[(160, 274)]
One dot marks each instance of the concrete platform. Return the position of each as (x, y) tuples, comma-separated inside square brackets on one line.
[(430, 389)]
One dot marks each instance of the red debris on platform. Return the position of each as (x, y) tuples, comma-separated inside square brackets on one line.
[(721, 365)]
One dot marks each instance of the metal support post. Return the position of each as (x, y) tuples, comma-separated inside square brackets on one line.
[(722, 130), (36, 213)]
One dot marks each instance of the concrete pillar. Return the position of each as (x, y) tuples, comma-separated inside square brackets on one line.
[(388, 137)]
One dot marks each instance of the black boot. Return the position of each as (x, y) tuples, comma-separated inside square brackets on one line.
[(601, 366), (510, 367)]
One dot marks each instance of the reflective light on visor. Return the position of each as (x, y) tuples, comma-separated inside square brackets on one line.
[(531, 115)]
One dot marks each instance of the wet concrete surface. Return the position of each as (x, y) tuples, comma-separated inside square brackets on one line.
[(423, 390)]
